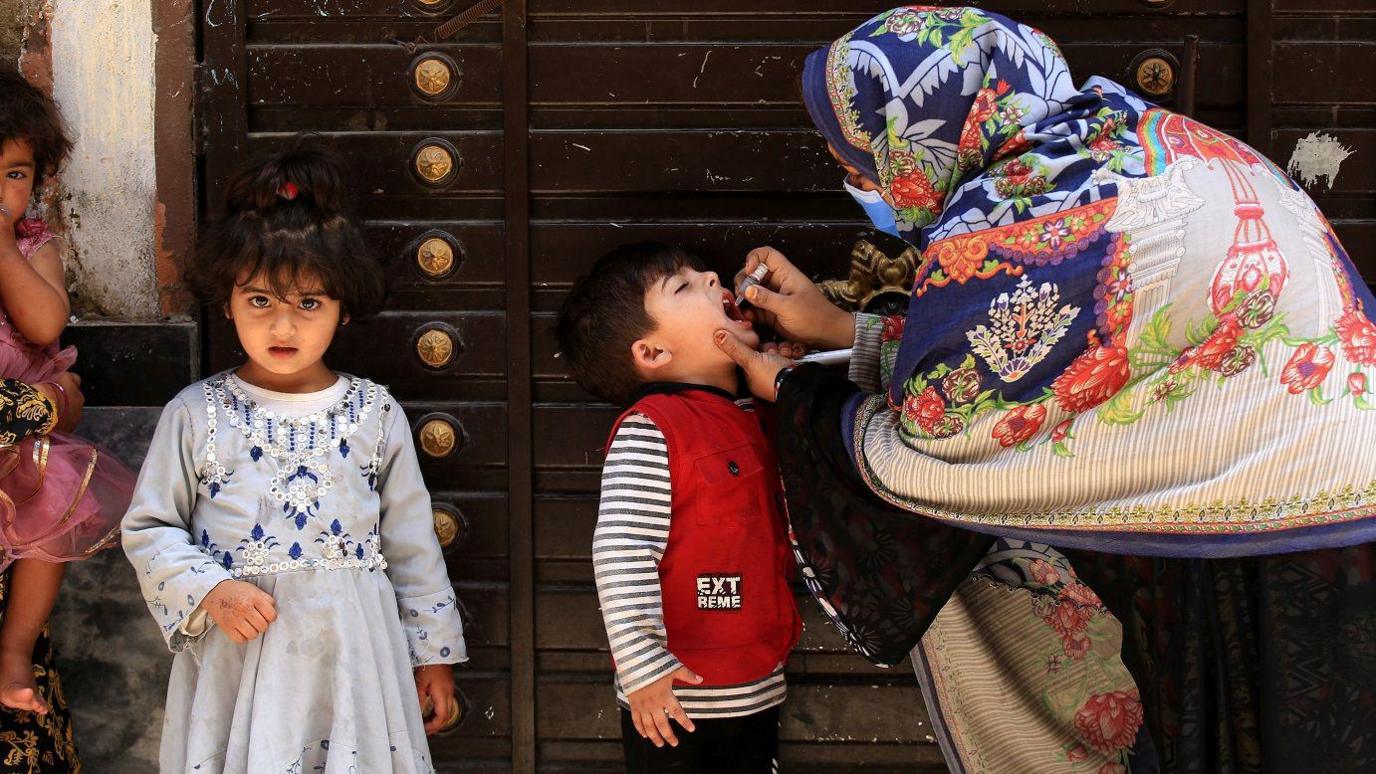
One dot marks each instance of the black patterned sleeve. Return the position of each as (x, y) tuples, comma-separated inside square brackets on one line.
[(24, 411), (880, 573)]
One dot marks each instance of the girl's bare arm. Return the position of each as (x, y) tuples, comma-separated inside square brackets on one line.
[(34, 292)]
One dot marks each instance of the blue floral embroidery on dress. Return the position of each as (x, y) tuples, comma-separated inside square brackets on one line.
[(172, 625), (256, 547), (297, 447), (198, 569), (298, 766), (215, 762), (223, 558), (374, 466), (295, 551), (374, 547), (336, 542), (437, 607), (214, 473), (301, 478)]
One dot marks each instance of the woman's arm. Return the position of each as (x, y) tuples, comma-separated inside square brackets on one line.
[(874, 351), (794, 306)]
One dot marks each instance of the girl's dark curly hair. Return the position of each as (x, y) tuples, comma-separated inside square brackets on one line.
[(285, 218), (27, 115)]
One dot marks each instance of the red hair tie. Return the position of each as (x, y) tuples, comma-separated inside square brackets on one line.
[(288, 191)]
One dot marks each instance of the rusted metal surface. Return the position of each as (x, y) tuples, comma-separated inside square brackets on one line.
[(567, 127)]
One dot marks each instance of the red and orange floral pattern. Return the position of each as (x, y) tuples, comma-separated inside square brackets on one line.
[(1019, 425), (1307, 368), (1109, 721), (1093, 378), (1358, 337)]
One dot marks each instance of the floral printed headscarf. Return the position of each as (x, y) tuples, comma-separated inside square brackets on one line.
[(885, 98)]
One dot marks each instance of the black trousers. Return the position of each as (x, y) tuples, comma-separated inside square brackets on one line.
[(744, 745)]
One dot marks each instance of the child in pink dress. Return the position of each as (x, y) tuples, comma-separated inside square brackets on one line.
[(61, 498)]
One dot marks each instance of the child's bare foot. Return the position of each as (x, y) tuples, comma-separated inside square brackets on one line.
[(17, 687)]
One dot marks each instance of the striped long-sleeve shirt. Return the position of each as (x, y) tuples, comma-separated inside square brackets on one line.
[(631, 536)]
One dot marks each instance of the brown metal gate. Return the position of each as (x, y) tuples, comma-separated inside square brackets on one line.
[(494, 167)]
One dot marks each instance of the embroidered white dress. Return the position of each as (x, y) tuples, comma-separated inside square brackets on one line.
[(318, 500)]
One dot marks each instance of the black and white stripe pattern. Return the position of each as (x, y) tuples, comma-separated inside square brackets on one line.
[(630, 539)]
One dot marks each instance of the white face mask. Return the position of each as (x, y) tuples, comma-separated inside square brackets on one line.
[(872, 202)]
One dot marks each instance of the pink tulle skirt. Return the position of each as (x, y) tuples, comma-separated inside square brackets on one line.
[(61, 499), (30, 364)]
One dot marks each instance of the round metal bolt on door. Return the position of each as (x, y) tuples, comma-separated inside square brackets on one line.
[(435, 256), (449, 525), (434, 76), (432, 6), (436, 162), (439, 437), (436, 348), (1154, 72)]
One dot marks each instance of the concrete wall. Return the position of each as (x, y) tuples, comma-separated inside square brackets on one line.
[(105, 83)]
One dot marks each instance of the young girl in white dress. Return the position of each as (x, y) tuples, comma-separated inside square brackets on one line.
[(280, 528)]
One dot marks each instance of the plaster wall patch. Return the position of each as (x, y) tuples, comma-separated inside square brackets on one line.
[(1318, 156)]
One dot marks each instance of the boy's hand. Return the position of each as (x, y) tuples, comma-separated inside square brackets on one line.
[(435, 690), (241, 609), (653, 705)]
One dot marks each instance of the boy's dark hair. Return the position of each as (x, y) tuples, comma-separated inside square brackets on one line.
[(605, 313), (285, 217), (27, 114)]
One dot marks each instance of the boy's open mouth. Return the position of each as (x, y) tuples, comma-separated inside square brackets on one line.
[(282, 351), (731, 310)]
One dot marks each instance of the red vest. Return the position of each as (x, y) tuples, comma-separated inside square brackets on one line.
[(724, 578)]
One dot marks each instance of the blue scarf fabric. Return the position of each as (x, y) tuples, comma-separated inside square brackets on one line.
[(922, 99)]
